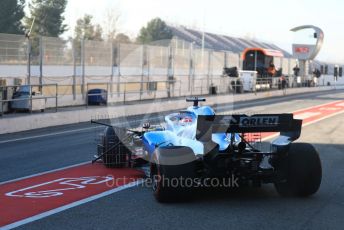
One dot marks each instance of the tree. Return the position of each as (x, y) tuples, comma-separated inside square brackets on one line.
[(48, 16), (122, 38), (111, 24), (111, 27), (156, 29), (85, 29), (98, 33), (11, 14)]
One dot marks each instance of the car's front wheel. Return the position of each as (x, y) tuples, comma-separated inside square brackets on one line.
[(114, 152)]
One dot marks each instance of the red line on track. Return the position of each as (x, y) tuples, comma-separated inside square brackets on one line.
[(314, 114), (319, 112), (28, 197), (32, 196)]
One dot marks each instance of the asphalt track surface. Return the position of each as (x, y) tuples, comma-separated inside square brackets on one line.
[(26, 153)]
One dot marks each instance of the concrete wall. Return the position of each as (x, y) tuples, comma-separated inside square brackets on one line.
[(40, 120)]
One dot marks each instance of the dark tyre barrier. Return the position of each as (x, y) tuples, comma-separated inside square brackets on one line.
[(212, 90), (239, 87)]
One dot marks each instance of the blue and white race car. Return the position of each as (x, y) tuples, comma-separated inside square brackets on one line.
[(195, 145)]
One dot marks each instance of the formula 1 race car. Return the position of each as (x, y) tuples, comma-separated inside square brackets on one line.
[(197, 144)]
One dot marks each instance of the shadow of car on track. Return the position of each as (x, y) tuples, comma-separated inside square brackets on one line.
[(332, 159)]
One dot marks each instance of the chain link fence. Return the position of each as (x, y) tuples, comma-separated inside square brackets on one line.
[(126, 72), (13, 49)]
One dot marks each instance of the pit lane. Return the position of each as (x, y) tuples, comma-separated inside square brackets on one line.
[(243, 209)]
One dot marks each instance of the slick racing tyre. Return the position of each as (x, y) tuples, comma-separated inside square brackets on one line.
[(172, 169), (115, 152), (301, 171)]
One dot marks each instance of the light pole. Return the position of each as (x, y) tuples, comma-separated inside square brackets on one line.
[(27, 35)]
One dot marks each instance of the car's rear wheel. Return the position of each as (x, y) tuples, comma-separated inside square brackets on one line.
[(300, 171), (172, 172)]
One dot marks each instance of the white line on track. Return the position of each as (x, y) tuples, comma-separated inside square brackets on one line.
[(106, 193), (306, 124), (45, 172), (47, 135), (71, 205), (89, 128), (317, 106), (323, 118)]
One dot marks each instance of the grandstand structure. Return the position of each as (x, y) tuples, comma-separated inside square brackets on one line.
[(220, 42)]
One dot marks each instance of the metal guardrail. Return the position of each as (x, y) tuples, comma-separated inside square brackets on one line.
[(138, 91), (143, 88), (30, 97)]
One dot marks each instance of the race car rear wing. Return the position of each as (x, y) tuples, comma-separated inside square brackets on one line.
[(283, 123)]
